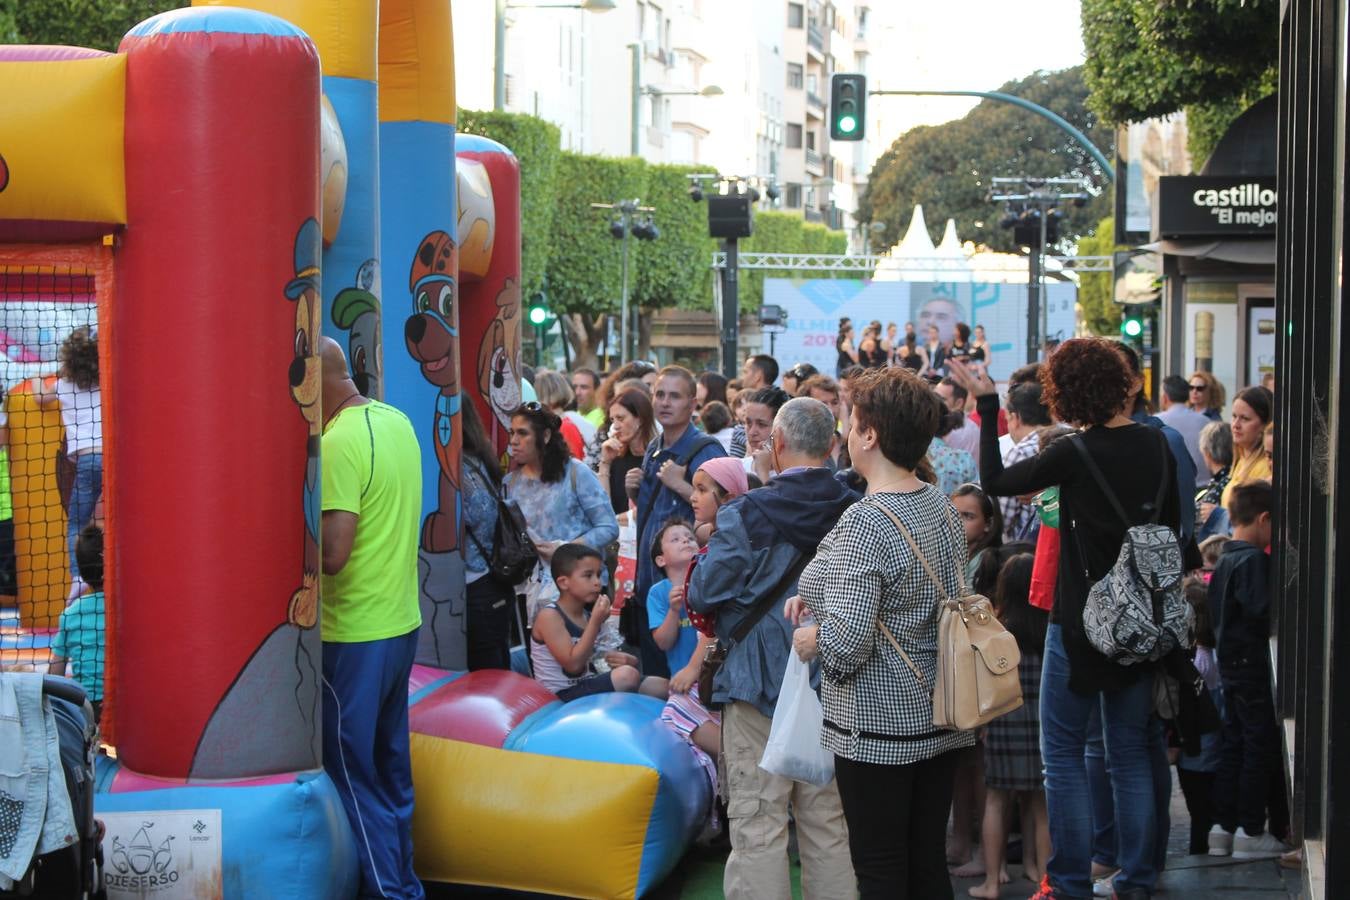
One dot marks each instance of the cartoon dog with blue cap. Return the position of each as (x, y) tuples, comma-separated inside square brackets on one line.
[(306, 382)]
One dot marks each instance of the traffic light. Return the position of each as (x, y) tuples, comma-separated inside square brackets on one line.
[(1132, 324), (848, 106), (538, 312)]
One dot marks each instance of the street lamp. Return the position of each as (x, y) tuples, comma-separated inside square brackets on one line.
[(635, 140), (1038, 199), (499, 55), (625, 223)]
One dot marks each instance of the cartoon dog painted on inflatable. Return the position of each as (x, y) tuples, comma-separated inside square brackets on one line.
[(288, 658), (498, 360), (432, 337)]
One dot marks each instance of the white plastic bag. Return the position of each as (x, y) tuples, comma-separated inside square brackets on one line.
[(794, 749)]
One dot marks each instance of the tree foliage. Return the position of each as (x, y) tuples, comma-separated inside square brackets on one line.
[(1147, 58), (781, 232), (536, 146), (948, 167), (676, 269), (100, 24), (1096, 290)]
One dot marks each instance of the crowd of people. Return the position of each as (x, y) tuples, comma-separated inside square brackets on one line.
[(791, 512), (926, 356), (763, 512)]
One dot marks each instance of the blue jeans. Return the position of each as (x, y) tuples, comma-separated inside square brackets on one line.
[(1103, 804), (1125, 716), (1099, 795), (84, 494)]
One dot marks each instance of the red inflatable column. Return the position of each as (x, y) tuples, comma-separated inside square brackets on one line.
[(489, 275), (215, 395)]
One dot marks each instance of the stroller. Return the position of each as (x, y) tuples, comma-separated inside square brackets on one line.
[(75, 871)]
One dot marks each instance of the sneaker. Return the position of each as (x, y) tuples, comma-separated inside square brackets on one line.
[(1220, 841), (1102, 887), (1045, 891), (1246, 846)]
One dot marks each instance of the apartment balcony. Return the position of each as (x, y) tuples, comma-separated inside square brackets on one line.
[(689, 35), (811, 214), (815, 165), (815, 42), (815, 105)]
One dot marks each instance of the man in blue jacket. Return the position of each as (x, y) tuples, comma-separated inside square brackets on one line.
[(762, 542), (663, 486)]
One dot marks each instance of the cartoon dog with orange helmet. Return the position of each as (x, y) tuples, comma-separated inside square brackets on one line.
[(432, 336)]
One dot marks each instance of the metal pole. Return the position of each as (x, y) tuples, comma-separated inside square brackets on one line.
[(499, 60), (635, 140), (1033, 303), (731, 312), (1058, 120), (1040, 283), (623, 315)]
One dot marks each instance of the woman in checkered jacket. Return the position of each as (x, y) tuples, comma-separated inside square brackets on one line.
[(894, 769)]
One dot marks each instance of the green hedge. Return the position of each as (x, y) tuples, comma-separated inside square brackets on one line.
[(676, 269), (536, 145), (584, 273), (782, 232), (1096, 290), (566, 241)]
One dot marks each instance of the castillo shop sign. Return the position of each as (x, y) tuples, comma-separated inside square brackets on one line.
[(1216, 205)]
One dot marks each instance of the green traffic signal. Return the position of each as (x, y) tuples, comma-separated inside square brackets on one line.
[(848, 99), (1132, 328), (538, 314)]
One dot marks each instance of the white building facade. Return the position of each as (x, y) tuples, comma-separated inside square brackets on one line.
[(771, 60)]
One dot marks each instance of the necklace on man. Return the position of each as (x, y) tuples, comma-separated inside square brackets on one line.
[(337, 409)]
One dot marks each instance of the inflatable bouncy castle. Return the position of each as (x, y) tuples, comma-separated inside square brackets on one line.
[(207, 201)]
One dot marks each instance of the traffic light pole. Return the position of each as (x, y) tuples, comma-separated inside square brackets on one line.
[(1034, 298), (1052, 117), (731, 308), (623, 305)]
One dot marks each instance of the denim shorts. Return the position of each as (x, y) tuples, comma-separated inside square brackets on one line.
[(591, 684)]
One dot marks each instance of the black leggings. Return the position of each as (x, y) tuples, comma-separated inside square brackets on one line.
[(897, 826), (1198, 789), (489, 614)]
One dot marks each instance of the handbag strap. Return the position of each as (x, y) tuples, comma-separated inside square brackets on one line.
[(923, 560), (1105, 487), (771, 599), (903, 655)]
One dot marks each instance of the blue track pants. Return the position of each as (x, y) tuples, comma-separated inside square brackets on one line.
[(365, 752)]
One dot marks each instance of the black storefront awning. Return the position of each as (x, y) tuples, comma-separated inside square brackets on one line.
[(1258, 252)]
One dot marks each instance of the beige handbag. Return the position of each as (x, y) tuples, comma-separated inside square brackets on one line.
[(977, 658)]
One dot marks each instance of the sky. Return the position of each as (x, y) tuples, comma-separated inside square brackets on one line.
[(961, 45)]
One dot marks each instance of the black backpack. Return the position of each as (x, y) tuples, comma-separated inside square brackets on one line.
[(513, 555)]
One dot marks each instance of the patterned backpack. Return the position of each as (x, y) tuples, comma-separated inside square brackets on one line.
[(1137, 613)]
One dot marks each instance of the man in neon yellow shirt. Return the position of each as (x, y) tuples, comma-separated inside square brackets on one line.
[(372, 503)]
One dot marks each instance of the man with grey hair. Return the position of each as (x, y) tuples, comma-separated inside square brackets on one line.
[(763, 541)]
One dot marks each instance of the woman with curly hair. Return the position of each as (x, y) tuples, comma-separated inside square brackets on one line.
[(1088, 383), (77, 394)]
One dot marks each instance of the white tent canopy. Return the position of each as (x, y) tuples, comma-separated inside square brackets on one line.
[(916, 259)]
